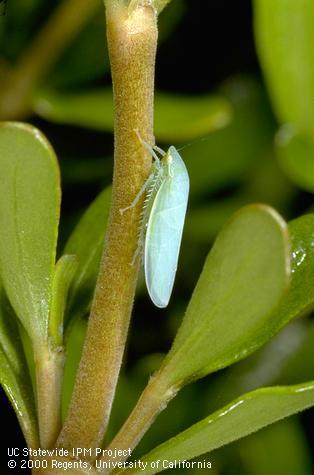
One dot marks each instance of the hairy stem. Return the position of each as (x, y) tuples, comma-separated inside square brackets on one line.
[(49, 374), (18, 86), (153, 400), (132, 40)]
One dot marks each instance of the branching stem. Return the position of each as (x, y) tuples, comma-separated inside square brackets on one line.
[(153, 400)]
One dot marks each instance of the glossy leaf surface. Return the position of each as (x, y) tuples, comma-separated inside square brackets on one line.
[(241, 417), (300, 296)]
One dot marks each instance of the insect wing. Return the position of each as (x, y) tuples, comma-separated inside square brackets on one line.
[(164, 232)]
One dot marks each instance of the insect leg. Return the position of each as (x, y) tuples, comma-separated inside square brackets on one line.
[(159, 150), (138, 251), (150, 148), (139, 194)]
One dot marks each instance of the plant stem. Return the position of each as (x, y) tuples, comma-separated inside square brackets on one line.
[(49, 373), (132, 41), (153, 400), (65, 22)]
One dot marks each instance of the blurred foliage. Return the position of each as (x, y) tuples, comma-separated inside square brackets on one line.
[(295, 153), (227, 139), (263, 452), (176, 118), (285, 42)]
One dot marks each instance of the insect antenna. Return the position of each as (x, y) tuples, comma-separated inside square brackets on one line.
[(202, 139)]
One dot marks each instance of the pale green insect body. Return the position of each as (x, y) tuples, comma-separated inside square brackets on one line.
[(163, 221), (150, 188)]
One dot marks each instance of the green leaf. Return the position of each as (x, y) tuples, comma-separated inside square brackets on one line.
[(299, 299), (18, 390), (29, 355), (29, 215), (296, 156), (92, 109), (179, 118), (65, 269), (86, 242), (231, 311), (176, 117), (285, 42), (9, 332), (14, 375), (241, 417), (288, 358)]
